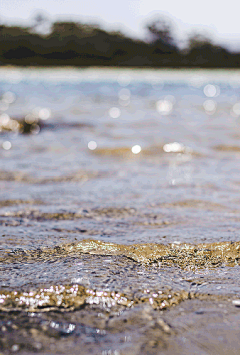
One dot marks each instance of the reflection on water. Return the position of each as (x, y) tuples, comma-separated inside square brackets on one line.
[(119, 202)]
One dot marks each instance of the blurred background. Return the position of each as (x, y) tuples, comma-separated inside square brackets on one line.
[(129, 33)]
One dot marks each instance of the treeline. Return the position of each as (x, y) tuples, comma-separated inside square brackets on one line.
[(76, 44)]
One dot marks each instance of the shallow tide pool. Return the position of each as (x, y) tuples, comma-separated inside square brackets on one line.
[(119, 211)]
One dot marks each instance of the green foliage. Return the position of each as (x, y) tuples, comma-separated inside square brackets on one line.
[(77, 44)]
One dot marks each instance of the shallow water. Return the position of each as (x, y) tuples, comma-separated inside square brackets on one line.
[(113, 252)]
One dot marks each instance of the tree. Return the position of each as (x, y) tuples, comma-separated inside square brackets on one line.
[(198, 40), (160, 31)]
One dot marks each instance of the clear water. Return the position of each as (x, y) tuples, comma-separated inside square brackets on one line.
[(182, 187)]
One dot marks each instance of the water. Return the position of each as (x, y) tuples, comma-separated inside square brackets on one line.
[(119, 211)]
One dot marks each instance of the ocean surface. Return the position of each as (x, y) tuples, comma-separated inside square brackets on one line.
[(119, 211)]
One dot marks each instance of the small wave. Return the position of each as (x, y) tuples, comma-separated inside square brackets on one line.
[(8, 203), (78, 176), (191, 203), (227, 148), (152, 151), (184, 255), (73, 297)]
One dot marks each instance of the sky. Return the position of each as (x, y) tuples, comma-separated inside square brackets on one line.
[(219, 20)]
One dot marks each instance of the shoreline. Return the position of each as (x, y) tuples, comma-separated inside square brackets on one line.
[(124, 76)]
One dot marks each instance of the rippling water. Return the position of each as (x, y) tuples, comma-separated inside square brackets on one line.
[(119, 211)]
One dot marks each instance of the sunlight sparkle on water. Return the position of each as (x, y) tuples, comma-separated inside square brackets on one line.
[(4, 119), (30, 118), (92, 145), (9, 97), (124, 97), (236, 110), (124, 94), (35, 129), (196, 81), (211, 90), (124, 80), (7, 145), (6, 123), (210, 106), (164, 107), (173, 147), (114, 112), (44, 113), (136, 149)]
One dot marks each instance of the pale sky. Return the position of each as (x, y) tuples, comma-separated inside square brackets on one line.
[(218, 19)]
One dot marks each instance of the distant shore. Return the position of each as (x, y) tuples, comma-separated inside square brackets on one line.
[(81, 45)]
